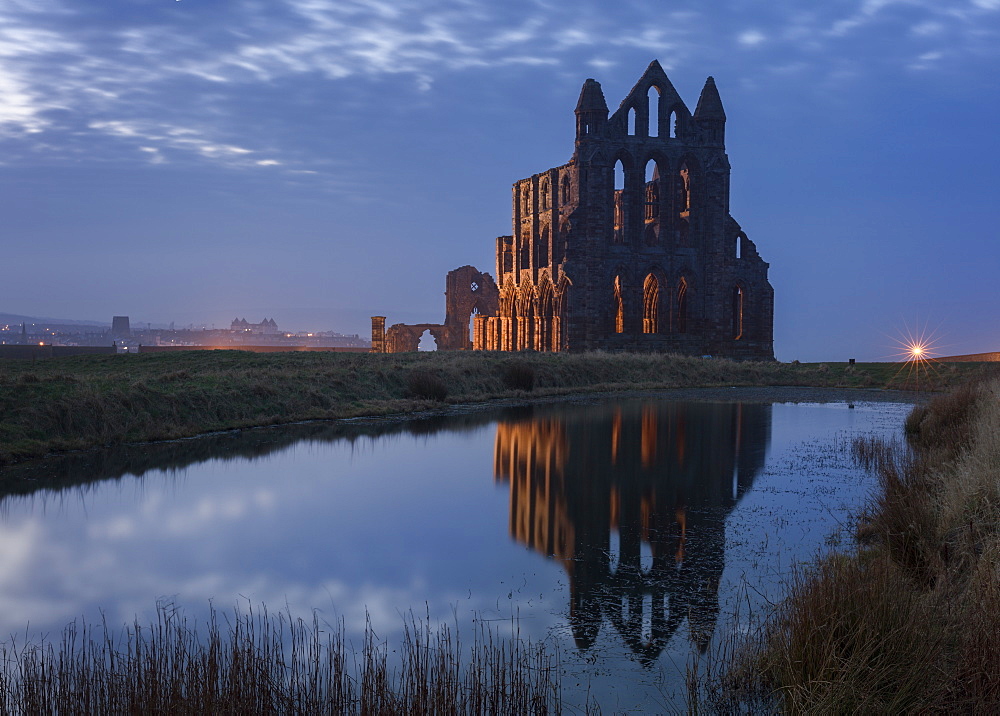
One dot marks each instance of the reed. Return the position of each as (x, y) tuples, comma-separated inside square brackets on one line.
[(259, 662), (909, 620)]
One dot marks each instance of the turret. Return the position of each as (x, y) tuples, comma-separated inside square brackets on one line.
[(710, 116), (591, 111)]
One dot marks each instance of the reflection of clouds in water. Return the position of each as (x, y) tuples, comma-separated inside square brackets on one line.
[(120, 527), (320, 526), (211, 510)]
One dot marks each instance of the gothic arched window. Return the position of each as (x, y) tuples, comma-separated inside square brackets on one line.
[(652, 190), (619, 306), (619, 196), (682, 306), (738, 299), (684, 189), (650, 304), (653, 108)]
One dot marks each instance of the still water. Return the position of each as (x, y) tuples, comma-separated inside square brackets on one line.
[(627, 532)]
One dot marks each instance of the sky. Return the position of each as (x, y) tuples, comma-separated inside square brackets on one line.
[(323, 161)]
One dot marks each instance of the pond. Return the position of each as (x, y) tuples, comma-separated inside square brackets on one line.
[(625, 531)]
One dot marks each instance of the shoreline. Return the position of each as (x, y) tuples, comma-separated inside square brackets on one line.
[(903, 618), (742, 394), (87, 402)]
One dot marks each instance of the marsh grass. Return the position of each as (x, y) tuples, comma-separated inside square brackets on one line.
[(260, 662), (79, 402), (519, 376), (425, 385), (909, 620)]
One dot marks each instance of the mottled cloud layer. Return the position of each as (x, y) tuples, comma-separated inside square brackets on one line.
[(159, 82)]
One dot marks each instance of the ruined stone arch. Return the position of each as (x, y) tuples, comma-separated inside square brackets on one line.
[(567, 189), (508, 312), (527, 309), (542, 247), (681, 312), (654, 98), (655, 183), (738, 310), (675, 117), (544, 195), (618, 305), (741, 242), (508, 295), (660, 159), (560, 246), (597, 157), (512, 328), (651, 234), (467, 291), (688, 184), (561, 301), (546, 316), (622, 197), (524, 248), (621, 283), (654, 288)]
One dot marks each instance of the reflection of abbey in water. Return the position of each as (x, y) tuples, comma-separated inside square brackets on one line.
[(632, 498)]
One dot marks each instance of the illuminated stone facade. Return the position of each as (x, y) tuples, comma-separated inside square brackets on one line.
[(468, 293), (650, 260), (628, 246)]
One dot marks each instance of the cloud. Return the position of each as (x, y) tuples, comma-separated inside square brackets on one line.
[(155, 156), (157, 137), (926, 60), (751, 38), (131, 77), (928, 28)]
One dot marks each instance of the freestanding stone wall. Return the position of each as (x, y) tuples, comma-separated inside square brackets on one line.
[(469, 295)]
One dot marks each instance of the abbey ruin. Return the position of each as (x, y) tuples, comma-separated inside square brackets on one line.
[(628, 246)]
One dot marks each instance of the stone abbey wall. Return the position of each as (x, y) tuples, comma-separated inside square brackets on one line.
[(468, 293), (629, 245)]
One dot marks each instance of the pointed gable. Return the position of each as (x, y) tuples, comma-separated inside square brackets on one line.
[(591, 98), (654, 76), (710, 103)]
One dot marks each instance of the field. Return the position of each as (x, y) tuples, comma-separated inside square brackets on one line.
[(82, 402)]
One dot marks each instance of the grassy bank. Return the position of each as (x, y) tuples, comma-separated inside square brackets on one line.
[(909, 621), (86, 401), (262, 663)]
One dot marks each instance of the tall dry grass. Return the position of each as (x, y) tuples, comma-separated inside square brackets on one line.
[(909, 621), (265, 663)]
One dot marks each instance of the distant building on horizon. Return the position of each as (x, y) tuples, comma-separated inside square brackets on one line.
[(120, 327), (267, 327)]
